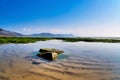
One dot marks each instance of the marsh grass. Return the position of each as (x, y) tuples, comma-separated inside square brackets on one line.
[(5, 40), (114, 40)]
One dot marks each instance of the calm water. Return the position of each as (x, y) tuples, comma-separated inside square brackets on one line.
[(106, 52)]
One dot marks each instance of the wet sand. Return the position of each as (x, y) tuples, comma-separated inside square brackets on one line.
[(67, 69)]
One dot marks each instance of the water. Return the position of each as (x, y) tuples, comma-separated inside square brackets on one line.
[(105, 53)]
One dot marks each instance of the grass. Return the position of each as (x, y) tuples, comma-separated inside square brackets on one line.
[(90, 40), (5, 40)]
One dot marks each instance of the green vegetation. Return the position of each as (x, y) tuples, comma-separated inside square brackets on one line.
[(90, 40), (5, 40)]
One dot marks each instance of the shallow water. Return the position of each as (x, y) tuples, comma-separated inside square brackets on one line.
[(80, 61)]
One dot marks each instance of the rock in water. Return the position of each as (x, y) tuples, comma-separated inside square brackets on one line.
[(49, 53), (51, 50)]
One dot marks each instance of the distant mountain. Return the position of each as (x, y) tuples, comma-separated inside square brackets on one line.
[(51, 35), (8, 33)]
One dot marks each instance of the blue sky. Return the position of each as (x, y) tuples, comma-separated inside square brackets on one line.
[(87, 18)]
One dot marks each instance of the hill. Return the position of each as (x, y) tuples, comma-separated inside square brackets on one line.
[(51, 35), (6, 33)]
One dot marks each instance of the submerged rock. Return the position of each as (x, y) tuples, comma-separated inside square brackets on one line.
[(49, 53)]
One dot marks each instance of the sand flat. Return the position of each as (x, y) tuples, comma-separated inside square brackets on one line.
[(23, 69)]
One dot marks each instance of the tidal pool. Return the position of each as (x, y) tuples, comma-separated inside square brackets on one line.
[(80, 61)]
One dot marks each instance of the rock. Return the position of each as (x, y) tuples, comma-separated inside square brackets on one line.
[(51, 50), (49, 53)]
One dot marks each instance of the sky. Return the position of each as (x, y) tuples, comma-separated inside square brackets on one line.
[(84, 18)]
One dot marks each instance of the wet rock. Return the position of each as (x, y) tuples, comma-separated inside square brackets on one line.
[(51, 50), (49, 53)]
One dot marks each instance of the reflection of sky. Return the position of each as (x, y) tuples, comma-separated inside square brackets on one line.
[(108, 49), (80, 17), (77, 49)]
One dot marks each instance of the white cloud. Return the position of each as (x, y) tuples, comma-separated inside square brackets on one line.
[(27, 30)]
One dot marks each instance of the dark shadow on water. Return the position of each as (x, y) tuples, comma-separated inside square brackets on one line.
[(35, 59), (36, 63)]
